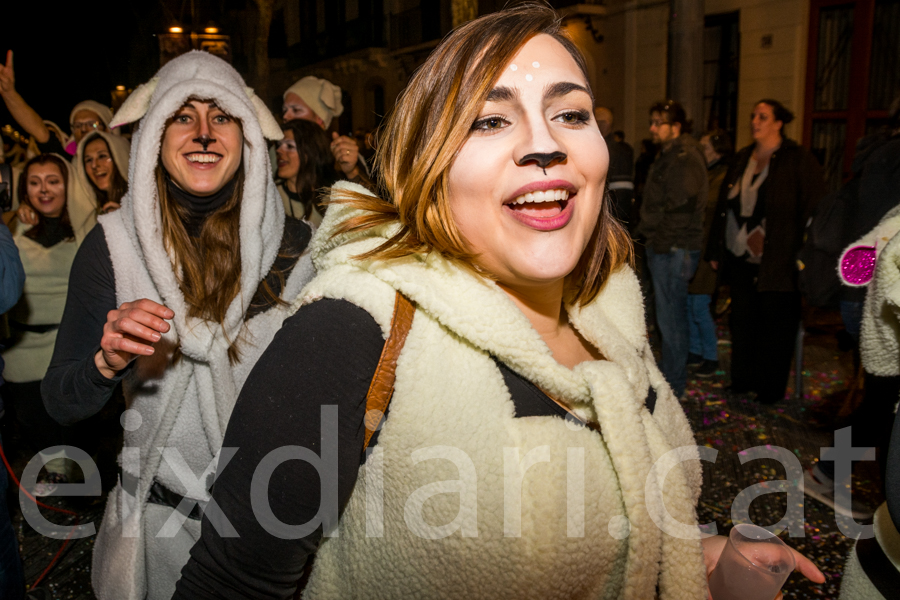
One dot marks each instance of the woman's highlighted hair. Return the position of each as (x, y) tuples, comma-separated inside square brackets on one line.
[(430, 123)]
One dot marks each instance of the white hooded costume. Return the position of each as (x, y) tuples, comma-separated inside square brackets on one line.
[(184, 407), (83, 206)]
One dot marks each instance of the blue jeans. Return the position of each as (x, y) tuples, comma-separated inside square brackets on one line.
[(851, 314), (12, 581), (702, 327), (671, 272)]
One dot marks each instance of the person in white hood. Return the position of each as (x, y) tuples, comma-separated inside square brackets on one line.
[(176, 294)]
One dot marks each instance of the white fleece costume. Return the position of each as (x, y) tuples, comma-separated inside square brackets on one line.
[(880, 352), (83, 208), (880, 333), (187, 406), (442, 538)]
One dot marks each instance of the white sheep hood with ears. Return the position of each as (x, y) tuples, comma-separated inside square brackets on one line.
[(449, 394), (186, 404), (201, 75)]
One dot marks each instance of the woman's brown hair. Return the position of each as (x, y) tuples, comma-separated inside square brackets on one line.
[(44, 159), (317, 169), (208, 265), (430, 123)]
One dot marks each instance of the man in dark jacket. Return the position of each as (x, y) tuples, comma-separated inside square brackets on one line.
[(672, 222)]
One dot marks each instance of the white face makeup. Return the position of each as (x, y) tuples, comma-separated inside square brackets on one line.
[(98, 163), (202, 148), (288, 158), (527, 186), (46, 189)]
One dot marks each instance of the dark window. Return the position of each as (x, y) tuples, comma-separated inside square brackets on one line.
[(721, 60), (853, 74)]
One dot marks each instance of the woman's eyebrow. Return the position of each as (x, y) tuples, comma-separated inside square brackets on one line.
[(561, 88), (501, 93)]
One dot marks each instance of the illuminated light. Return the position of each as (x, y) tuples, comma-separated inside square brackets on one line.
[(121, 88), (211, 30), (176, 30)]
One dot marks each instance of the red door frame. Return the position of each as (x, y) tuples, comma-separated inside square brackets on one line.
[(857, 112)]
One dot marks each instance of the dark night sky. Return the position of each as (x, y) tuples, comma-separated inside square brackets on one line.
[(68, 52)]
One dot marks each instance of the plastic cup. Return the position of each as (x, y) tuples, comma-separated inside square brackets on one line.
[(753, 566)]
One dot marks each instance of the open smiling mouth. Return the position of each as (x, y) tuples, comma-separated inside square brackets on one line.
[(546, 204), (203, 157), (543, 210)]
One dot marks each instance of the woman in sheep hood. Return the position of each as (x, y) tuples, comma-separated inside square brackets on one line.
[(85, 205), (531, 447), (196, 117)]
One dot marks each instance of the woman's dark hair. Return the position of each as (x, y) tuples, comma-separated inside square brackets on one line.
[(720, 141), (117, 184), (45, 159), (317, 168), (778, 109), (674, 112)]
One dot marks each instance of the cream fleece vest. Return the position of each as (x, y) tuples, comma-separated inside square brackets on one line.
[(42, 303), (445, 516)]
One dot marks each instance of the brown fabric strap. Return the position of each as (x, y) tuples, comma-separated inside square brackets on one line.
[(382, 387)]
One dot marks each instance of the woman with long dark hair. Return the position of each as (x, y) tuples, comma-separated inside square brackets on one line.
[(175, 295), (305, 167)]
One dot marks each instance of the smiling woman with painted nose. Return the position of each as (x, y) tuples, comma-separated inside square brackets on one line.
[(501, 443), (175, 295)]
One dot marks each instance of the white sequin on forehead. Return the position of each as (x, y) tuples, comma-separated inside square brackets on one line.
[(536, 64), (528, 77), (513, 67)]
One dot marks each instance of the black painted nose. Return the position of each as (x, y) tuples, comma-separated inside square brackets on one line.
[(204, 140), (542, 159)]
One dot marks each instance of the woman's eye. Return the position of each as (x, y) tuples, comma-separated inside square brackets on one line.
[(183, 119), (490, 124), (221, 119), (574, 117)]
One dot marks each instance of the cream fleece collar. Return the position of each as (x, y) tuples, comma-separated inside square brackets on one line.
[(480, 312)]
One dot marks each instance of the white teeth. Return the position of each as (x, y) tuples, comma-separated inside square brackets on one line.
[(204, 158), (542, 196)]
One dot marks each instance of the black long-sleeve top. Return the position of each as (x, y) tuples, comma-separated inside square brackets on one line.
[(73, 388), (326, 354)]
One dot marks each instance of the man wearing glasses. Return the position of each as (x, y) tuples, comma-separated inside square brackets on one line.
[(672, 223)]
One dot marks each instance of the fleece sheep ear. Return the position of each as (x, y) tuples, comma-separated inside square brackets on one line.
[(136, 105), (270, 128)]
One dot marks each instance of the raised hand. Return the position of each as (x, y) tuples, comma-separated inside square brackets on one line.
[(129, 332), (346, 153), (7, 75), (27, 215)]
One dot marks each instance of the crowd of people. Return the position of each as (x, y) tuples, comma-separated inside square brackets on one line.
[(323, 353)]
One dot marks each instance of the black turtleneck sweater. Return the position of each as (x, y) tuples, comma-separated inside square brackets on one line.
[(51, 231), (73, 388), (199, 207)]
